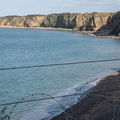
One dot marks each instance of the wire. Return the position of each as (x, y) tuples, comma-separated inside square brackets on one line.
[(60, 64), (47, 98)]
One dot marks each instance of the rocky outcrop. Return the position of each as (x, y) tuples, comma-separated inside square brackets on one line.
[(116, 30), (83, 22)]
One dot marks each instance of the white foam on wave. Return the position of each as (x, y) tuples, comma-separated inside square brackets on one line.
[(91, 34)]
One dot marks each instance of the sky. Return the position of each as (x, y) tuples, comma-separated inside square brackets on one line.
[(45, 7)]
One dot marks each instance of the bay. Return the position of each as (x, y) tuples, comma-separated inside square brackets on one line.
[(30, 47)]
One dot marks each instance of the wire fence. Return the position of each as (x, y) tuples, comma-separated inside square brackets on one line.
[(60, 64), (108, 110), (53, 97)]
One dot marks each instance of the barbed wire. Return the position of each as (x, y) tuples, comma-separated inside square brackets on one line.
[(51, 97), (59, 64), (90, 92)]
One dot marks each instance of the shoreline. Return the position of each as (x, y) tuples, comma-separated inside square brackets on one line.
[(102, 33), (94, 101)]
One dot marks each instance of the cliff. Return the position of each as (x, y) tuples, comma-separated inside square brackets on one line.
[(65, 20), (22, 21), (83, 22), (114, 23), (91, 21), (12, 21), (33, 20), (78, 21)]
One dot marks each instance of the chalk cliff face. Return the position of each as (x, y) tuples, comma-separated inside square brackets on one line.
[(84, 22)]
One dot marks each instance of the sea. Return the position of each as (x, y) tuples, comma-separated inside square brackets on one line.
[(39, 93)]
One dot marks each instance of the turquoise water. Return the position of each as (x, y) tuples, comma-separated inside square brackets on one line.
[(27, 47)]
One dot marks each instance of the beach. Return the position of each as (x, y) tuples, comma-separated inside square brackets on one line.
[(99, 103)]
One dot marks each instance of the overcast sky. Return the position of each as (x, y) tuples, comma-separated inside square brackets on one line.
[(25, 7)]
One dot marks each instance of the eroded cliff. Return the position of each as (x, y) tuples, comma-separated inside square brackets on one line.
[(114, 23), (22, 21), (91, 21), (83, 22), (65, 20)]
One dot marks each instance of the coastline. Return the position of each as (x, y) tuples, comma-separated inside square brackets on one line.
[(102, 33), (97, 103)]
